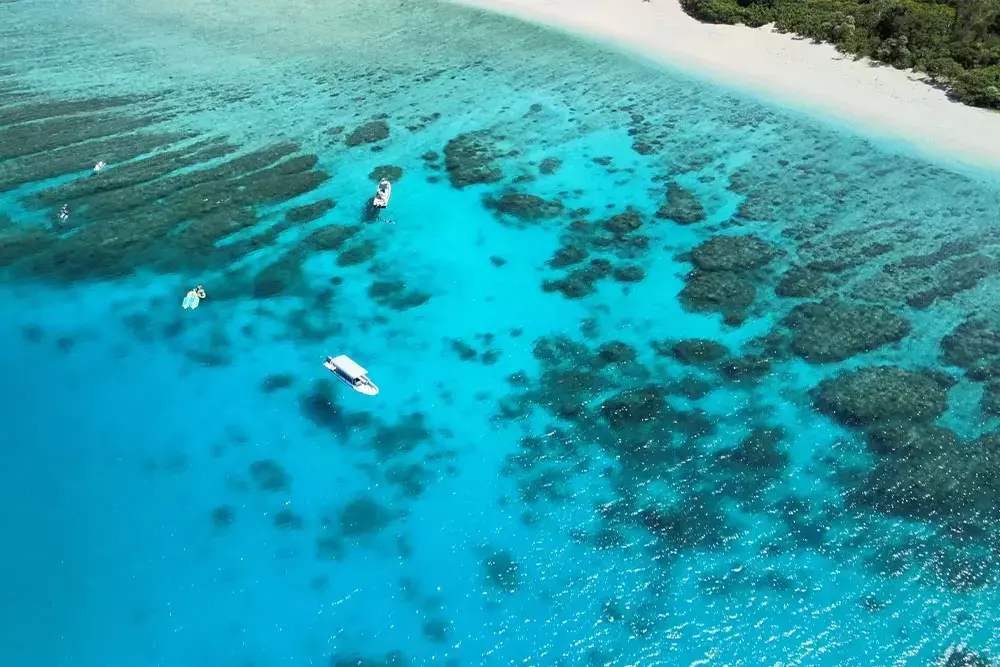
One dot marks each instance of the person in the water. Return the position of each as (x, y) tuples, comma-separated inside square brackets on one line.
[(193, 298)]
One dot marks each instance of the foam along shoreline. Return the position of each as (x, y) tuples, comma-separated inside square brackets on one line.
[(892, 104)]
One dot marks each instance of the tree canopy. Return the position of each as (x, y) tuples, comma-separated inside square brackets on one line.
[(955, 42)]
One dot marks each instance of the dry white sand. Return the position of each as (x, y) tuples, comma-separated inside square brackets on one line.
[(879, 101)]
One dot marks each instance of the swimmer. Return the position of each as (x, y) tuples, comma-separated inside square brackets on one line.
[(64, 212), (193, 298)]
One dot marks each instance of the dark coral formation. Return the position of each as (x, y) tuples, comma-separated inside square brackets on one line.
[(165, 209), (270, 476), (369, 133), (925, 473), (358, 253), (276, 382), (725, 275), (310, 212), (802, 282), (471, 159), (391, 659), (223, 516), (682, 206), (963, 657), (320, 406), (502, 571), (388, 171), (330, 237), (718, 291), (396, 295), (521, 207), (286, 519), (549, 166), (732, 253), (833, 330), (693, 351), (616, 236), (466, 352), (364, 516), (974, 345), (878, 393)]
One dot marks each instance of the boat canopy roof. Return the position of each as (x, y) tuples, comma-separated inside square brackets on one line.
[(348, 367)]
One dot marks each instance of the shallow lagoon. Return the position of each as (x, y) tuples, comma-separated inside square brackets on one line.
[(546, 478)]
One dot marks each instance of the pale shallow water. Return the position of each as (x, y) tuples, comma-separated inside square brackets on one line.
[(484, 509)]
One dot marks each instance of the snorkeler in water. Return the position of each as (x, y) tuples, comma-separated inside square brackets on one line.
[(193, 298)]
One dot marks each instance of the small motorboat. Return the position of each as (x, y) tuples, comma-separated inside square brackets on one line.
[(383, 193), (99, 166), (351, 374)]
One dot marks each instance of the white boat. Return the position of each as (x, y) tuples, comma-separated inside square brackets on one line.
[(351, 374), (99, 166), (383, 193)]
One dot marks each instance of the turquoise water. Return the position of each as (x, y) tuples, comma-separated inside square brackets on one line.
[(547, 477)]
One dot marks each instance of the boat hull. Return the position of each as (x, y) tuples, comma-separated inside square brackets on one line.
[(366, 387)]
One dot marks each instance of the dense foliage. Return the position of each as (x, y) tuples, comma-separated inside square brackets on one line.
[(955, 42)]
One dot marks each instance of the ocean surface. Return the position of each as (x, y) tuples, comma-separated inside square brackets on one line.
[(668, 376)]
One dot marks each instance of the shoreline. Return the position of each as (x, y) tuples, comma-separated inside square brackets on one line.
[(878, 101)]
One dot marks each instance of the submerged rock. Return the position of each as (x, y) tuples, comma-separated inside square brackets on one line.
[(732, 253), (877, 393), (834, 330), (682, 206)]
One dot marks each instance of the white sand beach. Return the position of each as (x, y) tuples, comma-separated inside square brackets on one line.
[(814, 77)]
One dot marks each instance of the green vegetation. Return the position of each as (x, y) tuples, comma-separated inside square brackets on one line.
[(955, 42)]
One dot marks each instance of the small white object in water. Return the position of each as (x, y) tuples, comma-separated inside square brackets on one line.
[(100, 165)]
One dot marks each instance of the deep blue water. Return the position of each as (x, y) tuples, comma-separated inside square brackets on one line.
[(546, 478)]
